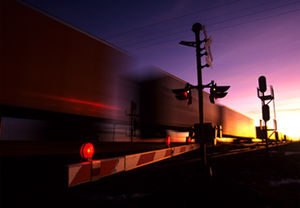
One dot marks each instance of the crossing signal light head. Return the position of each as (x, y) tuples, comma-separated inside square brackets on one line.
[(266, 112), (262, 82), (217, 92), (180, 94), (188, 96), (183, 94)]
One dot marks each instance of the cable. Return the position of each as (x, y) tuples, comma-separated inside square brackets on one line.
[(215, 23), (212, 24), (247, 15), (168, 19), (256, 20), (223, 28)]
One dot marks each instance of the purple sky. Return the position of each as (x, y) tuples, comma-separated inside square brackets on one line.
[(250, 38)]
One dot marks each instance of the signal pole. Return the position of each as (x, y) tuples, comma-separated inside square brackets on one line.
[(265, 107), (197, 27), (201, 133)]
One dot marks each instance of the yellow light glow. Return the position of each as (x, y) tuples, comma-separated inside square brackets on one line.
[(256, 140), (288, 120), (225, 140), (288, 123)]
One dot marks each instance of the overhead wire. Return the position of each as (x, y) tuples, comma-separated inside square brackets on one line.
[(212, 24), (256, 20), (223, 28), (145, 36), (167, 20)]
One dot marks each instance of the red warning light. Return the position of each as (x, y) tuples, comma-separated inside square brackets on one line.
[(87, 151), (188, 140), (168, 141)]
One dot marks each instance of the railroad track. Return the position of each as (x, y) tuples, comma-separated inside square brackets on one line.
[(248, 148)]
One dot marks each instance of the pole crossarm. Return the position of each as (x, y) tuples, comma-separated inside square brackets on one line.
[(190, 86), (188, 43), (203, 66), (203, 54)]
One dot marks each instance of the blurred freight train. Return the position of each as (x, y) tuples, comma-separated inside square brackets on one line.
[(58, 83), (68, 85), (161, 111)]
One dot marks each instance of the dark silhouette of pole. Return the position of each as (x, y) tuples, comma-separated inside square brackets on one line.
[(197, 27), (265, 108), (265, 126)]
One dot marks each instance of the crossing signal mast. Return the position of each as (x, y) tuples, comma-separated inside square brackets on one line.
[(262, 82), (215, 91)]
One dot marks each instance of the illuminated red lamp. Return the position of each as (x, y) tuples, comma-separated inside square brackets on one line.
[(188, 140), (87, 151), (168, 141)]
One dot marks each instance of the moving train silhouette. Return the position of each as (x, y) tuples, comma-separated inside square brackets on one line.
[(59, 83)]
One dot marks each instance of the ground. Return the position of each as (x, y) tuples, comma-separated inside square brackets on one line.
[(254, 179)]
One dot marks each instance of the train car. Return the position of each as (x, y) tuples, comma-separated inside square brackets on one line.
[(59, 86), (161, 111), (236, 125), (65, 85), (56, 81)]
